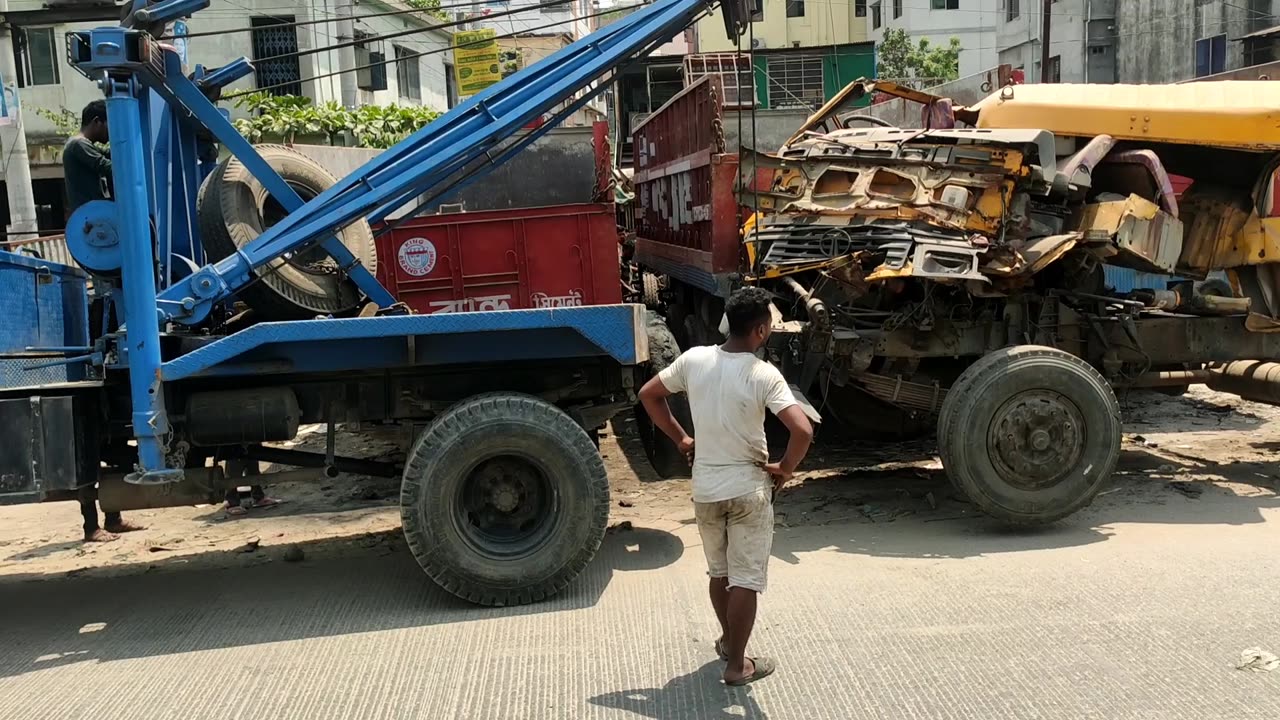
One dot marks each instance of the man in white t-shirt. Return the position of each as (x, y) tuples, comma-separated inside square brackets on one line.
[(729, 390)]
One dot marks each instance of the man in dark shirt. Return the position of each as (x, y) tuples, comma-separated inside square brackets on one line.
[(86, 169), (87, 174)]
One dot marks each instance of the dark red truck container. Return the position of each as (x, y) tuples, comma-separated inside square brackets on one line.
[(687, 217), (558, 256)]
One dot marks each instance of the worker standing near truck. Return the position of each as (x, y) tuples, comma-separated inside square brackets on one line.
[(87, 169), (86, 174), (729, 389)]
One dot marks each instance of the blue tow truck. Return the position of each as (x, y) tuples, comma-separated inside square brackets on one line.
[(217, 306)]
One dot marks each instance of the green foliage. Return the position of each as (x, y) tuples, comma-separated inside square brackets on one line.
[(433, 5), (67, 122), (289, 117), (919, 64)]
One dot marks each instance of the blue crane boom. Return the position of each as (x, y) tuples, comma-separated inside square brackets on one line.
[(161, 118)]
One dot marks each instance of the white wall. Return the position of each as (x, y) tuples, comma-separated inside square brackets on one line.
[(74, 91), (567, 18), (431, 68), (1019, 39), (974, 23)]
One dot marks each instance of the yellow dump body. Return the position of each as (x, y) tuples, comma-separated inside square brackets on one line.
[(1239, 115)]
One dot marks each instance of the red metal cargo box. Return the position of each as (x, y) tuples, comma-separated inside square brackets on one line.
[(559, 256), (687, 216)]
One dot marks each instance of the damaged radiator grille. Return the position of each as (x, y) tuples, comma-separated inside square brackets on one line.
[(796, 243)]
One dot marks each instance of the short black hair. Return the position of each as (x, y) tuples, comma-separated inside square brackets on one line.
[(746, 309), (96, 110)]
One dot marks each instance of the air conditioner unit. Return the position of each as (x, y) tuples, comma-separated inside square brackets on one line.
[(758, 44)]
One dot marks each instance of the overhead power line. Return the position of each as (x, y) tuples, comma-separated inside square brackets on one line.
[(336, 19), (411, 56), (414, 31)]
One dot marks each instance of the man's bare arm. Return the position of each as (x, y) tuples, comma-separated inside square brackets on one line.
[(801, 436)]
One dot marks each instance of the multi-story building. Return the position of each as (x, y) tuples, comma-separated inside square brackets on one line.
[(527, 36), (1081, 40), (972, 22), (1164, 41), (403, 61), (802, 53)]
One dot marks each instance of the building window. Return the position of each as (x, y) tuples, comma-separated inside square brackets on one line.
[(1259, 50), (1010, 10), (407, 73), (450, 89), (371, 74), (860, 8), (795, 81), (1211, 55), (944, 4), (734, 71), (1055, 69), (897, 9), (274, 36), (757, 10), (36, 53), (795, 8), (876, 20)]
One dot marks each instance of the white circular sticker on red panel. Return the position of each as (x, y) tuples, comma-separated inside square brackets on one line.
[(417, 256)]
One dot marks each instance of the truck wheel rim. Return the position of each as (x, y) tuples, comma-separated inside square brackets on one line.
[(506, 507), (1036, 439)]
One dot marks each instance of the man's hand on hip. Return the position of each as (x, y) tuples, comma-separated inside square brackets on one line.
[(686, 448), (780, 476)]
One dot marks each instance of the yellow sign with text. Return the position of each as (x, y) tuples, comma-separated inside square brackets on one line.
[(475, 61)]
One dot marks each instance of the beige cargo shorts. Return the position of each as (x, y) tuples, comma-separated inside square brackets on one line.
[(737, 537)]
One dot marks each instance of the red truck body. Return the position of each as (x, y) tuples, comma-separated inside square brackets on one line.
[(687, 217), (558, 256)]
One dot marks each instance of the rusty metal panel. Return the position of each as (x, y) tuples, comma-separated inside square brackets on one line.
[(686, 207), (51, 247)]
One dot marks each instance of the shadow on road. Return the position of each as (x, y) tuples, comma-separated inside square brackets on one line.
[(346, 585), (697, 695)]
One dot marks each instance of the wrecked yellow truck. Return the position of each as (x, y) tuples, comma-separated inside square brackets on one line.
[(951, 275)]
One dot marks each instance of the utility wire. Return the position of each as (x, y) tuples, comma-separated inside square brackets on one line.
[(414, 31), (411, 56), (335, 19)]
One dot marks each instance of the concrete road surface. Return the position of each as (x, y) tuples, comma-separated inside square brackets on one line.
[(910, 619), (889, 598)]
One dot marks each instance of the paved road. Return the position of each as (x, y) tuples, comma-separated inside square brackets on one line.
[(1127, 612)]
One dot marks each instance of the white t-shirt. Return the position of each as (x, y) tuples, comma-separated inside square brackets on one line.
[(728, 393)]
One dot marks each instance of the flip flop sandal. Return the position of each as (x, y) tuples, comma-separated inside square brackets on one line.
[(764, 668), (237, 511), (268, 503), (720, 650)]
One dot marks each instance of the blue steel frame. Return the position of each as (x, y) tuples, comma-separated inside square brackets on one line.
[(156, 112)]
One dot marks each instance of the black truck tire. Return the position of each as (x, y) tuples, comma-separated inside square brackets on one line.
[(663, 455), (234, 208), (504, 499), (1029, 434)]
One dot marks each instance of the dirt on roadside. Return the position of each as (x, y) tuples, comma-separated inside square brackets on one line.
[(1176, 450)]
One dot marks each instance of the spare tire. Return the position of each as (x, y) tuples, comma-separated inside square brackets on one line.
[(234, 209)]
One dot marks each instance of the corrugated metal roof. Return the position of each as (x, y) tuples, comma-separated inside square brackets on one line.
[(1232, 113)]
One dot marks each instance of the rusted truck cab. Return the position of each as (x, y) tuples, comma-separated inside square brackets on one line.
[(950, 276)]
